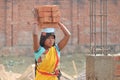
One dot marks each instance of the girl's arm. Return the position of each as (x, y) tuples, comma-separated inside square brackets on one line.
[(35, 31), (66, 37), (35, 37)]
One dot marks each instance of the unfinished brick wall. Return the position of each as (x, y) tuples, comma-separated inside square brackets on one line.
[(2, 24), (16, 23)]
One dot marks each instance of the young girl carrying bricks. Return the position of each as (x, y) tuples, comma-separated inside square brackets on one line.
[(47, 52)]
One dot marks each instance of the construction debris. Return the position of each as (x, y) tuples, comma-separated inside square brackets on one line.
[(4, 75), (29, 74)]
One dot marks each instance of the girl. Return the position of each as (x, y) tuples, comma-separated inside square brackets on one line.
[(47, 52)]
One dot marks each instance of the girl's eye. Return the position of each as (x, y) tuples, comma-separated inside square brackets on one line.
[(51, 37)]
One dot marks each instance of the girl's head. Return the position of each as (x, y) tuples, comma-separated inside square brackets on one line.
[(47, 38)]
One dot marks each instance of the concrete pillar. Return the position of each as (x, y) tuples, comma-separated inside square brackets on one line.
[(102, 67)]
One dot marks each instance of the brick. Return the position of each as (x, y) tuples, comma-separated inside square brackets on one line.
[(56, 19), (117, 73), (46, 25), (45, 19), (117, 58), (55, 8), (49, 16), (45, 14), (56, 13), (48, 13), (48, 8), (117, 67), (49, 19)]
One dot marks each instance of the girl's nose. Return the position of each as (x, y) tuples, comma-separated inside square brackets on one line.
[(51, 39)]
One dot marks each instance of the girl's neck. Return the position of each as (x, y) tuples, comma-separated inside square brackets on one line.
[(46, 47)]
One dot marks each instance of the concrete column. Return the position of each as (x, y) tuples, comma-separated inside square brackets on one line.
[(102, 67)]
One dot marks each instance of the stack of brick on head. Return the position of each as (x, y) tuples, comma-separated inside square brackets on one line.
[(46, 51), (48, 15)]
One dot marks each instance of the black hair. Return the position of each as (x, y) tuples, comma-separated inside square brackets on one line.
[(44, 36)]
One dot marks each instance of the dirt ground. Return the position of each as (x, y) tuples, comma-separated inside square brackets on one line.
[(15, 66)]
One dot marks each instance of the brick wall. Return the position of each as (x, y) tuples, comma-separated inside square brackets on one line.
[(16, 28), (2, 24)]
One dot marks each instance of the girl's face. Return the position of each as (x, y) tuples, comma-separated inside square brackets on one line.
[(49, 42)]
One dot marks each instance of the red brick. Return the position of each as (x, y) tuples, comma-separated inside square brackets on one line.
[(45, 19), (117, 58), (117, 73), (45, 14), (56, 19), (48, 16), (55, 8), (117, 67), (48, 8), (46, 25), (56, 13)]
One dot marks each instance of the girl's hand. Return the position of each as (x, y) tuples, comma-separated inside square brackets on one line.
[(66, 37), (35, 29), (35, 13), (35, 22)]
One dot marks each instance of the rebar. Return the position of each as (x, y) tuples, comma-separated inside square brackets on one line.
[(94, 4)]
